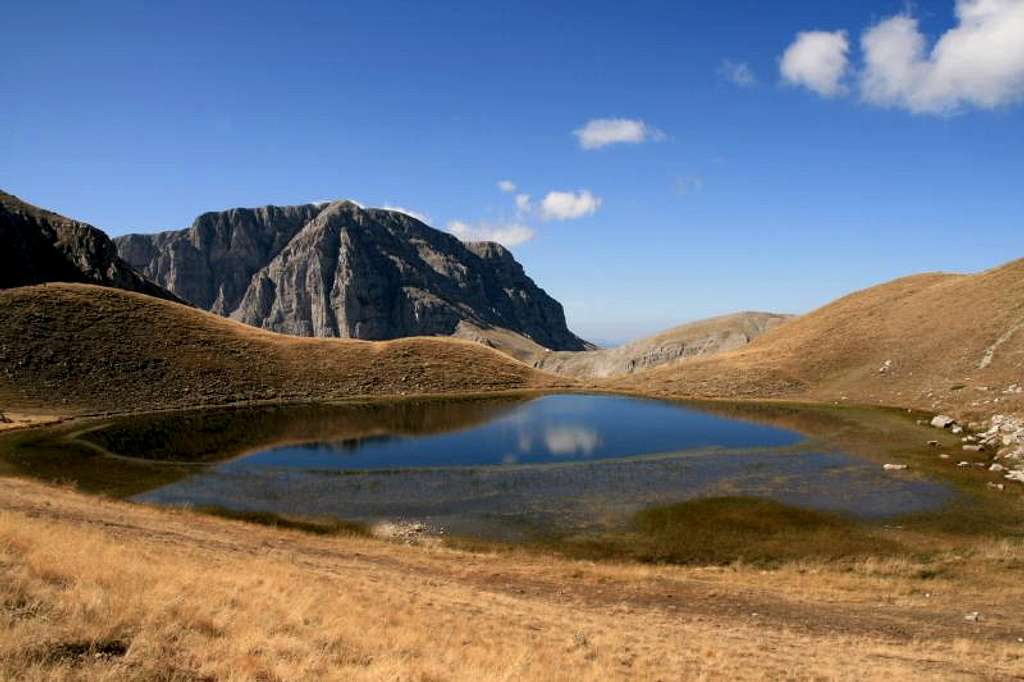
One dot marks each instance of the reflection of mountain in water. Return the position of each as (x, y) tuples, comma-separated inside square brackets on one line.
[(221, 434)]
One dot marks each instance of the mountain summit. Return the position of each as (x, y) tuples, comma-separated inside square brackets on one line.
[(341, 270)]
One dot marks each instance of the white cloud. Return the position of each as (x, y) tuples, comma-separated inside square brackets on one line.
[(506, 186), (737, 73), (818, 61), (523, 204), (568, 205), (979, 62), (422, 217), (507, 234), (601, 132)]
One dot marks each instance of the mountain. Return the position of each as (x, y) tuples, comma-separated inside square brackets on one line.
[(934, 341), (40, 246), (341, 270), (74, 348), (696, 339)]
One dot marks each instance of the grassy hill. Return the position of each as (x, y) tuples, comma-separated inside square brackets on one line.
[(75, 348), (933, 341)]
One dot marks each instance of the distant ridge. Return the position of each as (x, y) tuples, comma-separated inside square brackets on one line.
[(692, 340)]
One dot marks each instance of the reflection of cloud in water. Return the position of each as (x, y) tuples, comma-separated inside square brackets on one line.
[(571, 440)]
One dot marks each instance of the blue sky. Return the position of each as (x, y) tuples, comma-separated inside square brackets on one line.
[(776, 171)]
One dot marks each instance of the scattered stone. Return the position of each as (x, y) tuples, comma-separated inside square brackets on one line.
[(933, 443), (943, 456), (963, 464), (895, 467), (886, 366), (996, 486), (997, 467), (1015, 476), (957, 429), (941, 421), (974, 617), (974, 448)]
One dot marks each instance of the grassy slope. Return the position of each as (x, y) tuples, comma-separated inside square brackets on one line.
[(96, 589), (71, 348), (936, 329)]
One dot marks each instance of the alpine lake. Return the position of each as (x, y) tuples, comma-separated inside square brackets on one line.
[(589, 475)]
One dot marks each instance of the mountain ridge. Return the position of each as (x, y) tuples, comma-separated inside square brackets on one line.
[(339, 269), (42, 246)]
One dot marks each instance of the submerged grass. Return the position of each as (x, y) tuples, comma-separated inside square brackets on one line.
[(315, 526), (725, 530)]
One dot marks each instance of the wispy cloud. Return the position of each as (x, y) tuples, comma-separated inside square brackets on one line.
[(688, 184), (601, 132), (506, 186), (568, 205), (817, 60), (523, 204), (422, 217), (507, 234), (737, 73)]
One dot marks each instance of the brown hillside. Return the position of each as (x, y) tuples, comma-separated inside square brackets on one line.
[(933, 341), (73, 348)]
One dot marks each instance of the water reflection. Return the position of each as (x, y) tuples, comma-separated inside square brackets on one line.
[(496, 467)]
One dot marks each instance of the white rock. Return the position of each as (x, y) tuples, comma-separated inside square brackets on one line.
[(1015, 476), (957, 429), (996, 467), (996, 486), (895, 467), (974, 448), (974, 617), (941, 421)]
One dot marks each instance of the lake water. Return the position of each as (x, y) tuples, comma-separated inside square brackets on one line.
[(551, 429), (506, 468)]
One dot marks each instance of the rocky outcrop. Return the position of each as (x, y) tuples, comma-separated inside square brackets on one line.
[(342, 270), (696, 339), (211, 263), (37, 246)]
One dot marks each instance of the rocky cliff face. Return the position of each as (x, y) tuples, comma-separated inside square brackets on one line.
[(37, 246), (342, 270), (211, 263)]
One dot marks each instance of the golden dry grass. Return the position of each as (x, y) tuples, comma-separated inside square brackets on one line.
[(936, 330), (75, 348), (104, 590)]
